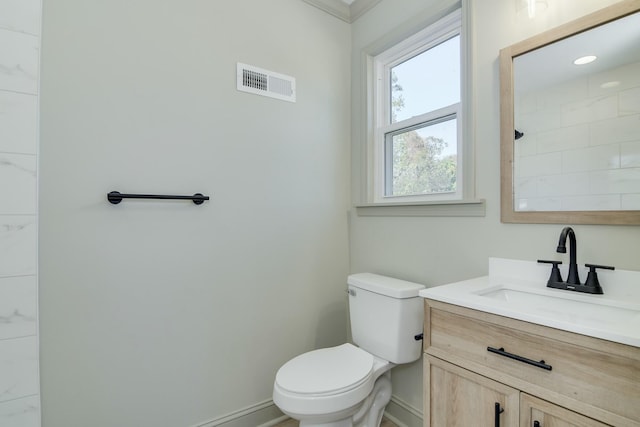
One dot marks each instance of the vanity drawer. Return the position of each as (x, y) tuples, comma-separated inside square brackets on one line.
[(596, 377)]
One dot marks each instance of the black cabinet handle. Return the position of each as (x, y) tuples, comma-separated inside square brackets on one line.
[(536, 423), (498, 411), (501, 352)]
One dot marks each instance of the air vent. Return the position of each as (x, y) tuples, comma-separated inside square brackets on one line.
[(266, 83)]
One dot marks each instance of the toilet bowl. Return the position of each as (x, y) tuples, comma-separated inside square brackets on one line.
[(349, 385), (329, 386)]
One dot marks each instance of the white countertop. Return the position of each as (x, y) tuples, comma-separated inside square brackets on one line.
[(517, 289)]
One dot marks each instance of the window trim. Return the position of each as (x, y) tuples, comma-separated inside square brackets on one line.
[(404, 35), (433, 35)]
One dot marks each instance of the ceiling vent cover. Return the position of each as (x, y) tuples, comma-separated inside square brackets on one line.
[(266, 83)]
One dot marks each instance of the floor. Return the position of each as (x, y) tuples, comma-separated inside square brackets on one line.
[(294, 423)]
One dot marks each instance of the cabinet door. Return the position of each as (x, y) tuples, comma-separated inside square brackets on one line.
[(455, 397), (535, 412)]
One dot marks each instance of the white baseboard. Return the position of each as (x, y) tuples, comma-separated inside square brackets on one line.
[(402, 414), (274, 422), (267, 414), (263, 414)]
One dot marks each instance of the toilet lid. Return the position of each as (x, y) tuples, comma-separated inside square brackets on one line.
[(326, 371)]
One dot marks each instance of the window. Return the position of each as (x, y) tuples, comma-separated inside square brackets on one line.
[(417, 117)]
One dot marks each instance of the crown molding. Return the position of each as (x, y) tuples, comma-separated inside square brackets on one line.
[(342, 10), (360, 7), (337, 8)]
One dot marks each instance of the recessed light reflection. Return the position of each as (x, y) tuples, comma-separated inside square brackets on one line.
[(609, 85), (585, 60)]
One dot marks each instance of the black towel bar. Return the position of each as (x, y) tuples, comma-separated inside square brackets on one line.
[(116, 197)]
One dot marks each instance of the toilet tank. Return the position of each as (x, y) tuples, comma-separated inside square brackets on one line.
[(386, 314)]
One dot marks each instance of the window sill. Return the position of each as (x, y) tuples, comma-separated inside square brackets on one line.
[(463, 208)]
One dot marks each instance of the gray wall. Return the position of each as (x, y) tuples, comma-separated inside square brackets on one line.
[(19, 58), (436, 251), (167, 313)]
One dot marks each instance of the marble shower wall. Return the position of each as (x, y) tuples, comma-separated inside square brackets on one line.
[(19, 70)]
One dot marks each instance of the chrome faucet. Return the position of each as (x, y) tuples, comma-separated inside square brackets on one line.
[(573, 278)]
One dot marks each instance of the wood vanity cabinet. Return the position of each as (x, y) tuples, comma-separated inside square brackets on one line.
[(481, 369), (547, 414)]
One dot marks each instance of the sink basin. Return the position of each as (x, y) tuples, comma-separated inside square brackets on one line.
[(517, 289), (569, 308)]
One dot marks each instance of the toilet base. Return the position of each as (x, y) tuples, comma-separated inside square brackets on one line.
[(368, 413)]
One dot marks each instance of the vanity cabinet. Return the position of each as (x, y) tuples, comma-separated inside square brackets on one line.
[(480, 367), (461, 398), (547, 414)]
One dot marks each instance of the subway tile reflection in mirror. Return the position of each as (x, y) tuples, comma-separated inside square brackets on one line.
[(581, 145)]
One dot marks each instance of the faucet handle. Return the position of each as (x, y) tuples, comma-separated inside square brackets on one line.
[(592, 283), (547, 261), (592, 267), (555, 271)]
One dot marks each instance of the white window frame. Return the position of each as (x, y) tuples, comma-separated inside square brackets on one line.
[(444, 29)]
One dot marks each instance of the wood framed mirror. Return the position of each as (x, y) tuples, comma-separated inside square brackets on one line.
[(570, 133)]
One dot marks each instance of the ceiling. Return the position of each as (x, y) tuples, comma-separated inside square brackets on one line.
[(615, 44)]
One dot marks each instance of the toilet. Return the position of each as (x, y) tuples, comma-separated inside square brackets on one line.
[(350, 385)]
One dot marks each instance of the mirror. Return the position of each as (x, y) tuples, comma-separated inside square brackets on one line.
[(570, 133)]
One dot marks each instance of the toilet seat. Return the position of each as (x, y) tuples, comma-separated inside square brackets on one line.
[(325, 380), (326, 371)]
